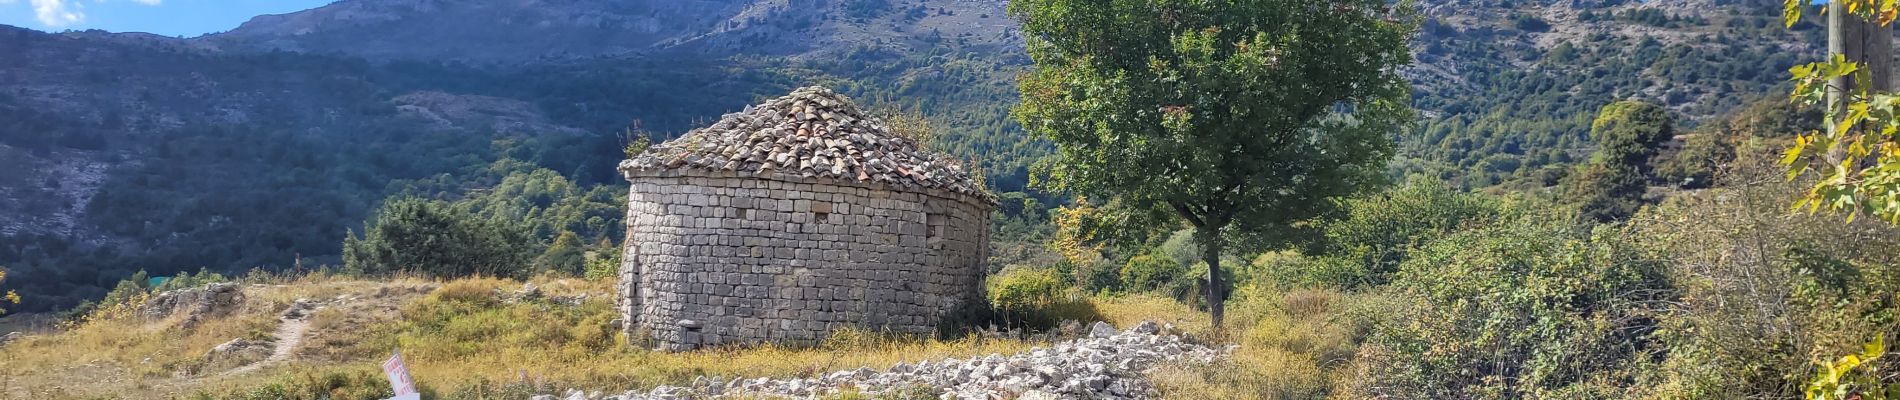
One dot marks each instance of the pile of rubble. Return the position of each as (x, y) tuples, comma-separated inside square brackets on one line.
[(1105, 365), (811, 132)]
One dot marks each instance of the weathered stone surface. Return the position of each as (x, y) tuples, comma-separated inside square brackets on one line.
[(759, 253), (196, 303)]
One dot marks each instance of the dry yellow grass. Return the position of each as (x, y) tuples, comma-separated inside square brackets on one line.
[(459, 338), (1132, 309), (1293, 345), (119, 355), (462, 340)]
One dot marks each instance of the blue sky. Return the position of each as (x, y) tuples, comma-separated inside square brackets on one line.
[(165, 17)]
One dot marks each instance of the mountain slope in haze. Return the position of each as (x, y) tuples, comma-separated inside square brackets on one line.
[(255, 147), (513, 32), (1506, 87), (160, 155)]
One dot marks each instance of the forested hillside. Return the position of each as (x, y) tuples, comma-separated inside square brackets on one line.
[(262, 147), (1509, 91)]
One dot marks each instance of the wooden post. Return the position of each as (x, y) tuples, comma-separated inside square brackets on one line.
[(1862, 41)]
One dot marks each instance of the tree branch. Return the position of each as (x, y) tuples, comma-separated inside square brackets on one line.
[(1188, 213)]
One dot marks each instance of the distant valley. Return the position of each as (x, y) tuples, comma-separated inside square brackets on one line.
[(264, 145)]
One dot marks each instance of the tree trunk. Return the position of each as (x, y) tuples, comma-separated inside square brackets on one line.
[(1211, 248)]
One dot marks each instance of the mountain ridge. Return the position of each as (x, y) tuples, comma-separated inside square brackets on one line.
[(133, 134)]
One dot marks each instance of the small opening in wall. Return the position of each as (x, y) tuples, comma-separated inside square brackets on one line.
[(822, 217), (935, 224), (739, 213)]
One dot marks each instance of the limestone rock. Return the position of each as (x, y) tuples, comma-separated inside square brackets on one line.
[(1105, 367), (196, 303), (298, 309), (1101, 330)]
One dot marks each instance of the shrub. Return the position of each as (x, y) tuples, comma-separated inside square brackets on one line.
[(185, 280), (1611, 186), (1151, 272), (10, 297), (1766, 292), (433, 238), (1529, 23), (1287, 270), (1523, 309), (1379, 231), (564, 256), (1036, 298), (347, 384), (603, 264)]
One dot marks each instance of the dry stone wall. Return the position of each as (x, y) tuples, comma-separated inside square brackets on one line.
[(715, 257)]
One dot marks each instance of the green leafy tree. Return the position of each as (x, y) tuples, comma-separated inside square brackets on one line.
[(565, 255), (1239, 117), (127, 290), (1612, 184)]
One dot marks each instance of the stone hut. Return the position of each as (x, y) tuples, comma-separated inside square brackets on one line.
[(791, 219)]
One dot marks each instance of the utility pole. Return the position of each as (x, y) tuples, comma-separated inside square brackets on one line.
[(1862, 41)]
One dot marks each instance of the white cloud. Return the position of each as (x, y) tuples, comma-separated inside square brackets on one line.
[(56, 13), (59, 13)]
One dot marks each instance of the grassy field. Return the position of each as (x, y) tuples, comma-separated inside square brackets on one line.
[(460, 338)]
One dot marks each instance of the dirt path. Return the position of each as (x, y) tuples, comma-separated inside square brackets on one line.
[(289, 336)]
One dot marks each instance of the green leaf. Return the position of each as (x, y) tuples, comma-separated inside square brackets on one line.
[(1790, 14)]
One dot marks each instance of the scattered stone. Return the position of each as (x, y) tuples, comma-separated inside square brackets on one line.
[(233, 346), (1146, 328), (1096, 367), (238, 349), (571, 301), (1101, 330), (299, 309), (527, 292)]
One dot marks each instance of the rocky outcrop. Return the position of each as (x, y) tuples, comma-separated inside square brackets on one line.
[(1108, 364), (196, 303), (239, 350)]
